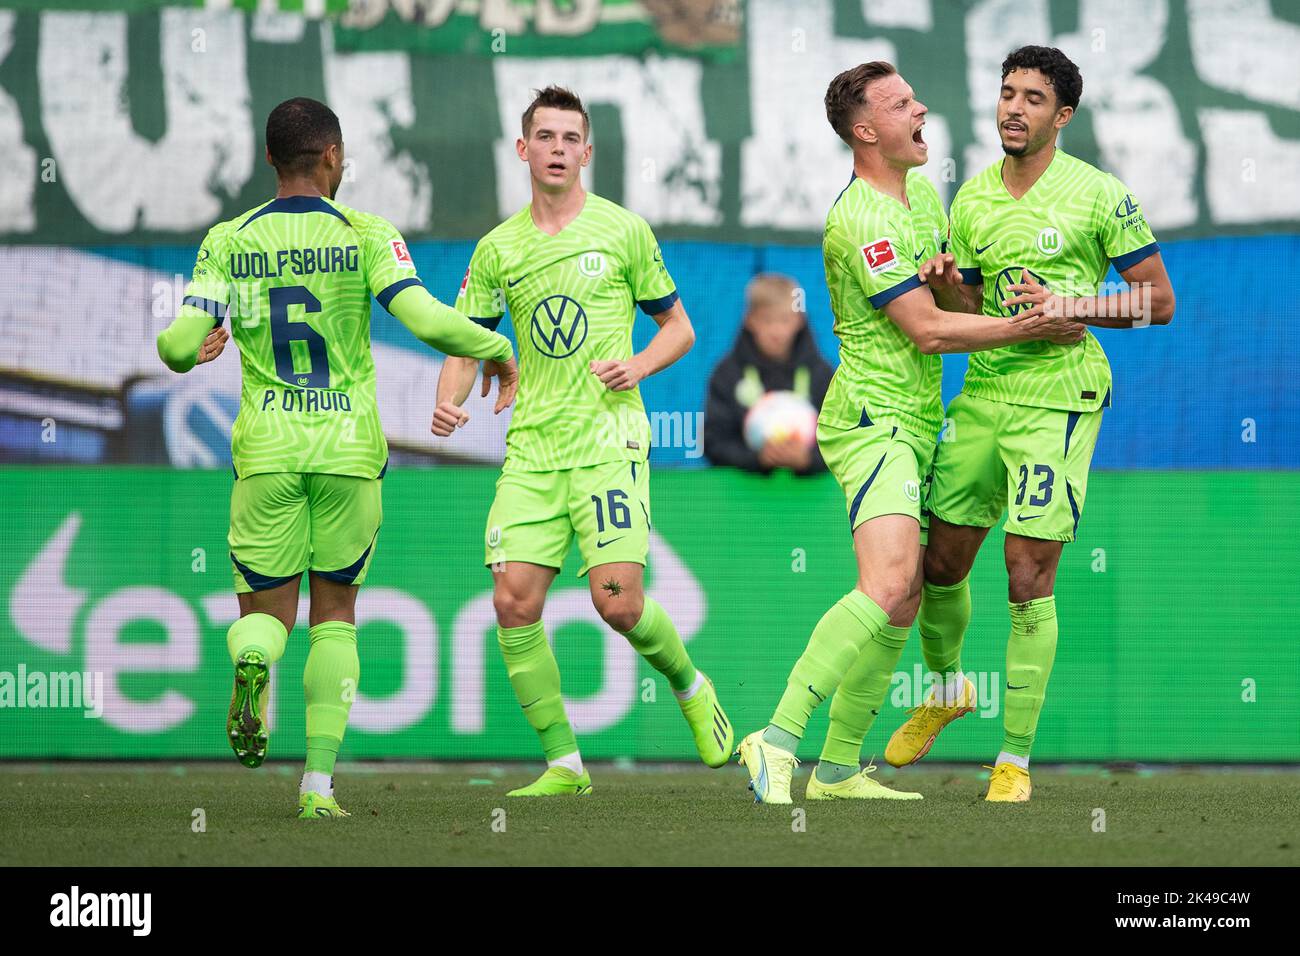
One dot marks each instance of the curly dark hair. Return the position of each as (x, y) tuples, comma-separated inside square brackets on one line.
[(298, 131), (1053, 64), (848, 92)]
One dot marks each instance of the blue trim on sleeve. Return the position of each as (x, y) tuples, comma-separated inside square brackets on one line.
[(488, 322), (1130, 259), (211, 306), (386, 296), (656, 306), (971, 276), (295, 204), (881, 299)]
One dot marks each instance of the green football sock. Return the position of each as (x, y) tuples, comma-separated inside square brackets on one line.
[(1030, 653), (329, 683), (536, 679), (655, 639), (837, 642), (945, 612), (857, 702), (257, 632)]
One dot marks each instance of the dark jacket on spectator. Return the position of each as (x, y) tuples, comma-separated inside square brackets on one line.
[(741, 379)]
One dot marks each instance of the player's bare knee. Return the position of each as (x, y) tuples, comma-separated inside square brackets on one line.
[(1029, 581), (889, 592), (621, 612), (944, 569), (514, 609)]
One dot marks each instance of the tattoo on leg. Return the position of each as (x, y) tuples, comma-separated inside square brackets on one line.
[(613, 587)]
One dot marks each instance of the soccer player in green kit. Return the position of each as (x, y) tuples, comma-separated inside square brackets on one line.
[(572, 268), (877, 427), (1037, 229), (296, 275)]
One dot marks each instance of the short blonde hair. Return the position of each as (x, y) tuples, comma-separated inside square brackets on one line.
[(770, 289)]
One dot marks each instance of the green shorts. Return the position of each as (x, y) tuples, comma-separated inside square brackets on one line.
[(1031, 462), (285, 523), (536, 515), (883, 469)]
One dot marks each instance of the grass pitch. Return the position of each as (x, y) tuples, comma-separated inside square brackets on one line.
[(440, 814)]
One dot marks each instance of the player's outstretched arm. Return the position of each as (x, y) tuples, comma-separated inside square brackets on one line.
[(1148, 300), (937, 332), (674, 339), (454, 383), (190, 340), (443, 328)]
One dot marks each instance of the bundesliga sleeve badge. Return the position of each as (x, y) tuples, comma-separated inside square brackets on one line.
[(401, 254), (880, 256)]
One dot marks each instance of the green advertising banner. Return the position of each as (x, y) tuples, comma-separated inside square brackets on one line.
[(116, 594), (136, 123)]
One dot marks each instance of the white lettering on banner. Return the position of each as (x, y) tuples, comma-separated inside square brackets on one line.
[(119, 180), (915, 14), (412, 702), (177, 654), (17, 159), (1240, 47), (794, 165), (41, 586), (1129, 111), (662, 123), (371, 93), (42, 605), (1250, 172)]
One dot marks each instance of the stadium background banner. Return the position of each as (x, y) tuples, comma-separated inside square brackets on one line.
[(128, 127), (123, 574)]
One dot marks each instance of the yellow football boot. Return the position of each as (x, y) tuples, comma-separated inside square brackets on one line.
[(1008, 784), (857, 787), (916, 736)]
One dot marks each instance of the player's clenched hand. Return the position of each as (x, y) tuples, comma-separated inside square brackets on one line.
[(507, 375), (212, 345), (940, 270), (617, 376), (447, 417)]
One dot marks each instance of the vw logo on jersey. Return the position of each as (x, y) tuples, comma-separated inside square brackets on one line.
[(558, 327), (1006, 279), (912, 490), (591, 264), (1049, 241)]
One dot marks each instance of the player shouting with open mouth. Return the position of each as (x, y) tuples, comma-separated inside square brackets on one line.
[(877, 426)]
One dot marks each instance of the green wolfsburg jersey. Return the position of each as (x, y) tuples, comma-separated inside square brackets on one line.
[(297, 274), (872, 247), (572, 298), (1066, 231)]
